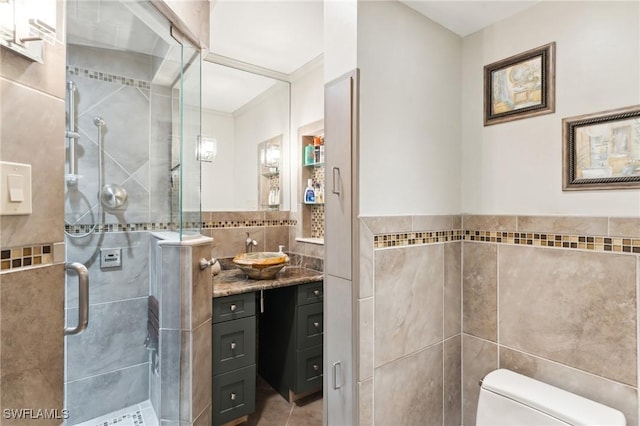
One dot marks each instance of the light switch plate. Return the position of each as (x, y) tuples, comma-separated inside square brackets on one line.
[(15, 189)]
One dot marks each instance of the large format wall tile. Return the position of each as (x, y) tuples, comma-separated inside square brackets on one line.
[(201, 287), (365, 338), (48, 77), (31, 309), (365, 280), (452, 289), (628, 227), (24, 131), (489, 222), (114, 339), (129, 281), (578, 308), (408, 391), (479, 358), (434, 223), (98, 395), (365, 403), (408, 300), (202, 368), (387, 224), (479, 284), (607, 392), (563, 225), (452, 353)]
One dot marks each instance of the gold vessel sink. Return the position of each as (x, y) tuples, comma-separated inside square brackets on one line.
[(261, 265)]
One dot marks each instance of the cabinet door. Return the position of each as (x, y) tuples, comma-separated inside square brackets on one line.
[(339, 120), (339, 384)]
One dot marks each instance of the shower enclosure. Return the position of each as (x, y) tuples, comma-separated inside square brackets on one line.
[(133, 117)]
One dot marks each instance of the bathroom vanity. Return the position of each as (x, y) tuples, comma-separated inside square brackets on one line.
[(277, 323)]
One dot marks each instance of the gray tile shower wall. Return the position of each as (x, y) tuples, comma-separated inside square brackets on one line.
[(114, 339), (135, 157), (118, 389)]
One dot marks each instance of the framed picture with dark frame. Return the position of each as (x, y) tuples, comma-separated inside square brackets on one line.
[(602, 150), (520, 86)]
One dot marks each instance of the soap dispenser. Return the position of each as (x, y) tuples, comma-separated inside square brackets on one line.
[(309, 193)]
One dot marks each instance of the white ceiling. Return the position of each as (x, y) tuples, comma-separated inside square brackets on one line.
[(283, 35), (467, 17)]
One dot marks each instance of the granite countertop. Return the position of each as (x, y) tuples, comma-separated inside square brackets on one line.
[(233, 281)]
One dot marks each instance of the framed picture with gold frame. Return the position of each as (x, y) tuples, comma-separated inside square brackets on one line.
[(520, 86), (602, 150)]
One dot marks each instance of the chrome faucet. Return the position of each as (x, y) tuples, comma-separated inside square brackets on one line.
[(250, 244)]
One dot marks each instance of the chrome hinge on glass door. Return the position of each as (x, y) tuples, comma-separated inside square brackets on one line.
[(83, 298)]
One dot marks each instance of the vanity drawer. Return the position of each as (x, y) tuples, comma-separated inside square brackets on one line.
[(233, 307), (234, 344), (309, 325), (234, 394), (309, 293), (309, 370)]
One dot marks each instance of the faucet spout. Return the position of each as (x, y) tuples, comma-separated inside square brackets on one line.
[(250, 244)]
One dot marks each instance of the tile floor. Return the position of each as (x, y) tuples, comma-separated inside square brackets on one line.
[(273, 410)]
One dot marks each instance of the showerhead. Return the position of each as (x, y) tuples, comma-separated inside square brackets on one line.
[(98, 121)]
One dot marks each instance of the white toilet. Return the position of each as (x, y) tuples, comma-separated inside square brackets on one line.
[(511, 399)]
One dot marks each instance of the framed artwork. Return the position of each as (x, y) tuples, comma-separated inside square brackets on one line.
[(520, 86), (602, 150)]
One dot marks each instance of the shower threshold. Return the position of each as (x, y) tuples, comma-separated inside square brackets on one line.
[(141, 414)]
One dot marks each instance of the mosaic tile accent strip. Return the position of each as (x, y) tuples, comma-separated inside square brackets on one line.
[(127, 227), (415, 238), (535, 239), (248, 223), (579, 242), (24, 257), (109, 78)]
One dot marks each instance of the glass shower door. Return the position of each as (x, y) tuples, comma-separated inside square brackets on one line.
[(124, 87)]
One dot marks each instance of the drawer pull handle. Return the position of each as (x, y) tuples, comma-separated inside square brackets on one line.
[(316, 292), (233, 346), (234, 396), (316, 324), (233, 307), (316, 367)]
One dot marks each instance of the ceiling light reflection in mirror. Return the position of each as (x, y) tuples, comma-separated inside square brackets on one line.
[(241, 110)]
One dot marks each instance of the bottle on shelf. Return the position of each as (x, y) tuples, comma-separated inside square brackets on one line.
[(309, 193), (309, 155)]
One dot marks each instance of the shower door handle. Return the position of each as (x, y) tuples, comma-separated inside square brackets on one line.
[(83, 298)]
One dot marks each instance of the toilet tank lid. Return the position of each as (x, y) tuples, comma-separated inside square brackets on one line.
[(551, 400)]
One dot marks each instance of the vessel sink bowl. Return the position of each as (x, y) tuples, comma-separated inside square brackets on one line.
[(261, 265)]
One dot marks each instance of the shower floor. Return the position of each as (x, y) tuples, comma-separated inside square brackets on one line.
[(135, 415)]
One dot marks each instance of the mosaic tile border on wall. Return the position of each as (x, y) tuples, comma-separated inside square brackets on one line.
[(109, 78), (535, 239), (23, 257), (248, 223)]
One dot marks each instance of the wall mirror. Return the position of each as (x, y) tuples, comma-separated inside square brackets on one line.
[(246, 115)]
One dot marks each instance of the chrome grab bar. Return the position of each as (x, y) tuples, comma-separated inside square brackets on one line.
[(83, 298)]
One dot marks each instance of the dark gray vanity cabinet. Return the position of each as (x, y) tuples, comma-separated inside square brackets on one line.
[(290, 339), (234, 357)]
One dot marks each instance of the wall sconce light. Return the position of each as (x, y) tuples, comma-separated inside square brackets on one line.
[(26, 24), (207, 148)]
